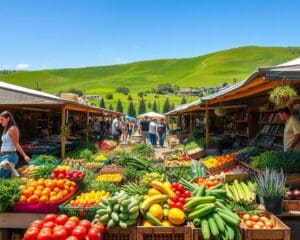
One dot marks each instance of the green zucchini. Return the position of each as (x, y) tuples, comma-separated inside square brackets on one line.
[(213, 226), (202, 212), (205, 229)]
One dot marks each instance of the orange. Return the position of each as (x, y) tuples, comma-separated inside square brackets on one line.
[(156, 211), (23, 198), (72, 189), (73, 184), (53, 199), (57, 189), (65, 192), (22, 187), (40, 188), (60, 183), (52, 194), (27, 193), (37, 193), (43, 199), (33, 198), (31, 189), (41, 182), (46, 192)]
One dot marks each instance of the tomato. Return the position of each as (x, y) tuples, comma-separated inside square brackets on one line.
[(172, 204), (270, 224), (187, 194), (100, 226), (69, 226), (260, 224), (37, 223), (75, 175), (61, 176), (264, 219), (72, 238), (45, 234), (59, 233), (49, 225), (249, 224), (94, 234), (175, 185), (31, 233), (79, 232), (74, 219), (255, 218), (246, 217), (182, 200), (179, 205), (181, 187), (86, 223), (175, 198), (61, 219), (178, 193), (56, 172), (50, 218)]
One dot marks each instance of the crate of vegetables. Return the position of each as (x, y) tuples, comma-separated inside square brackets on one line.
[(263, 227), (65, 173), (84, 205), (217, 164), (44, 195)]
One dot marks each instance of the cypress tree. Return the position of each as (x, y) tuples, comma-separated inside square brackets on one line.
[(131, 110), (167, 106), (119, 107), (102, 103), (154, 107), (142, 107)]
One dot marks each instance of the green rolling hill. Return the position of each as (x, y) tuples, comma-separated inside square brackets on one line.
[(207, 70)]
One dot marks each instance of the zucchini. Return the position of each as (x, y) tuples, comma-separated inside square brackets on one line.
[(220, 223), (153, 219), (110, 223), (197, 222), (102, 212), (229, 213), (201, 191), (198, 200), (134, 216), (202, 212), (237, 233), (230, 232), (116, 207), (105, 201), (131, 222), (213, 226), (229, 219), (205, 229)]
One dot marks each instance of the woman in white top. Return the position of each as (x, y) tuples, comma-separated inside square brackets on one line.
[(10, 143)]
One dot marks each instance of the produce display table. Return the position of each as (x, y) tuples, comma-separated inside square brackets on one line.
[(16, 221)]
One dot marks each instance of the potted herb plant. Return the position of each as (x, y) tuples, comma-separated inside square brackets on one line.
[(271, 187), (282, 95)]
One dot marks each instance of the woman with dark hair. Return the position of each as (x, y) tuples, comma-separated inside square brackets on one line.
[(10, 143)]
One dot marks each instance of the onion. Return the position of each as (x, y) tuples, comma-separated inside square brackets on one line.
[(296, 194), (289, 195)]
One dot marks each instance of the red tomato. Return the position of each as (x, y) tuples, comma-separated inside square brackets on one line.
[(61, 176), (69, 226), (94, 234), (178, 193), (187, 194), (175, 198), (181, 187), (56, 172), (49, 225), (175, 185), (74, 219), (255, 218), (86, 223), (61, 219), (100, 226), (31, 233), (37, 223), (246, 217), (249, 224), (79, 232), (72, 238), (45, 234), (179, 205), (182, 200), (59, 233), (172, 204), (50, 218)]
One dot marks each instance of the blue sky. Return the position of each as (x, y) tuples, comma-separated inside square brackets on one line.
[(38, 34)]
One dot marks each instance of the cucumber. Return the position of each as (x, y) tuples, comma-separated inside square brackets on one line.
[(201, 206), (115, 217), (202, 212), (113, 200), (229, 219), (220, 223), (230, 232), (229, 213), (198, 200), (205, 229), (197, 222), (109, 210), (125, 203), (237, 233), (213, 226), (105, 201), (110, 223), (132, 204), (102, 206), (153, 219), (131, 222), (122, 225), (201, 191)]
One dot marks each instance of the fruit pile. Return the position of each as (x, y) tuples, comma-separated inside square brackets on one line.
[(46, 190), (218, 161), (66, 174), (181, 194), (109, 177), (89, 199), (257, 222), (62, 227), (208, 183), (100, 158)]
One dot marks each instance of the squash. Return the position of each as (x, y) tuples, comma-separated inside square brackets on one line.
[(176, 216), (156, 211)]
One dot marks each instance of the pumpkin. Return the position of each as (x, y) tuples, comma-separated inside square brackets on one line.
[(156, 211), (176, 216)]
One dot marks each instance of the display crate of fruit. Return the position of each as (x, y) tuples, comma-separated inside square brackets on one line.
[(112, 168), (117, 233), (196, 153), (83, 205), (265, 227), (238, 172), (217, 164), (115, 178)]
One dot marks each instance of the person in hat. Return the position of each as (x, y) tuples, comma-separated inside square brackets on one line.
[(291, 136)]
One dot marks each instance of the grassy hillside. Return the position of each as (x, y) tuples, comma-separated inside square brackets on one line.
[(206, 70)]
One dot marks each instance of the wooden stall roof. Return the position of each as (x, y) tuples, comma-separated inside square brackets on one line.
[(16, 96), (184, 108)]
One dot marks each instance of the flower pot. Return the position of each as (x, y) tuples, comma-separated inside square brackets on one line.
[(273, 205)]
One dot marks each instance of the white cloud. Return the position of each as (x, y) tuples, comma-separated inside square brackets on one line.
[(4, 66), (22, 66)]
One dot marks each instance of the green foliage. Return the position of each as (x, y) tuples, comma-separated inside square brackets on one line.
[(88, 179), (131, 110), (110, 107), (141, 94), (102, 103), (154, 107), (164, 88), (123, 90), (283, 95), (183, 100), (142, 107), (142, 149), (106, 186), (149, 105), (119, 107), (175, 174), (109, 96), (167, 106), (129, 98), (9, 192), (131, 173)]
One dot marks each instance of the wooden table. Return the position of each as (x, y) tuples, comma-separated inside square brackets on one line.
[(16, 221)]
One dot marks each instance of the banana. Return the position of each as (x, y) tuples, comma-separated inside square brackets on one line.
[(151, 200), (163, 188)]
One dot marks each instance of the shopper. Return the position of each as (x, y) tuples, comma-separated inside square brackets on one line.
[(161, 130), (116, 128), (130, 128), (153, 132), (10, 145), (144, 127), (124, 127), (291, 136)]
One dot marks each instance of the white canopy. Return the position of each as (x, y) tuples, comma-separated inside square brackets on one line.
[(152, 115)]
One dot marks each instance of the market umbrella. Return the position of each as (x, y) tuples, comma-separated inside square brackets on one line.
[(152, 115)]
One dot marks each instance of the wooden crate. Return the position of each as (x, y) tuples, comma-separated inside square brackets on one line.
[(197, 155), (293, 179), (117, 233), (217, 170), (291, 205), (164, 233), (197, 233), (229, 177), (280, 232)]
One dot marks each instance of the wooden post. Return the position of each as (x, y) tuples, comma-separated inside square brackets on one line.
[(191, 124), (62, 132), (206, 125), (87, 125)]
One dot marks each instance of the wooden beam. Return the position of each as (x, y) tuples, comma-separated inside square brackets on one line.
[(191, 125), (206, 125), (62, 133), (87, 125)]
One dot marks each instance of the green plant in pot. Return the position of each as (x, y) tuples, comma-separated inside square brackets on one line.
[(282, 95), (271, 187)]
